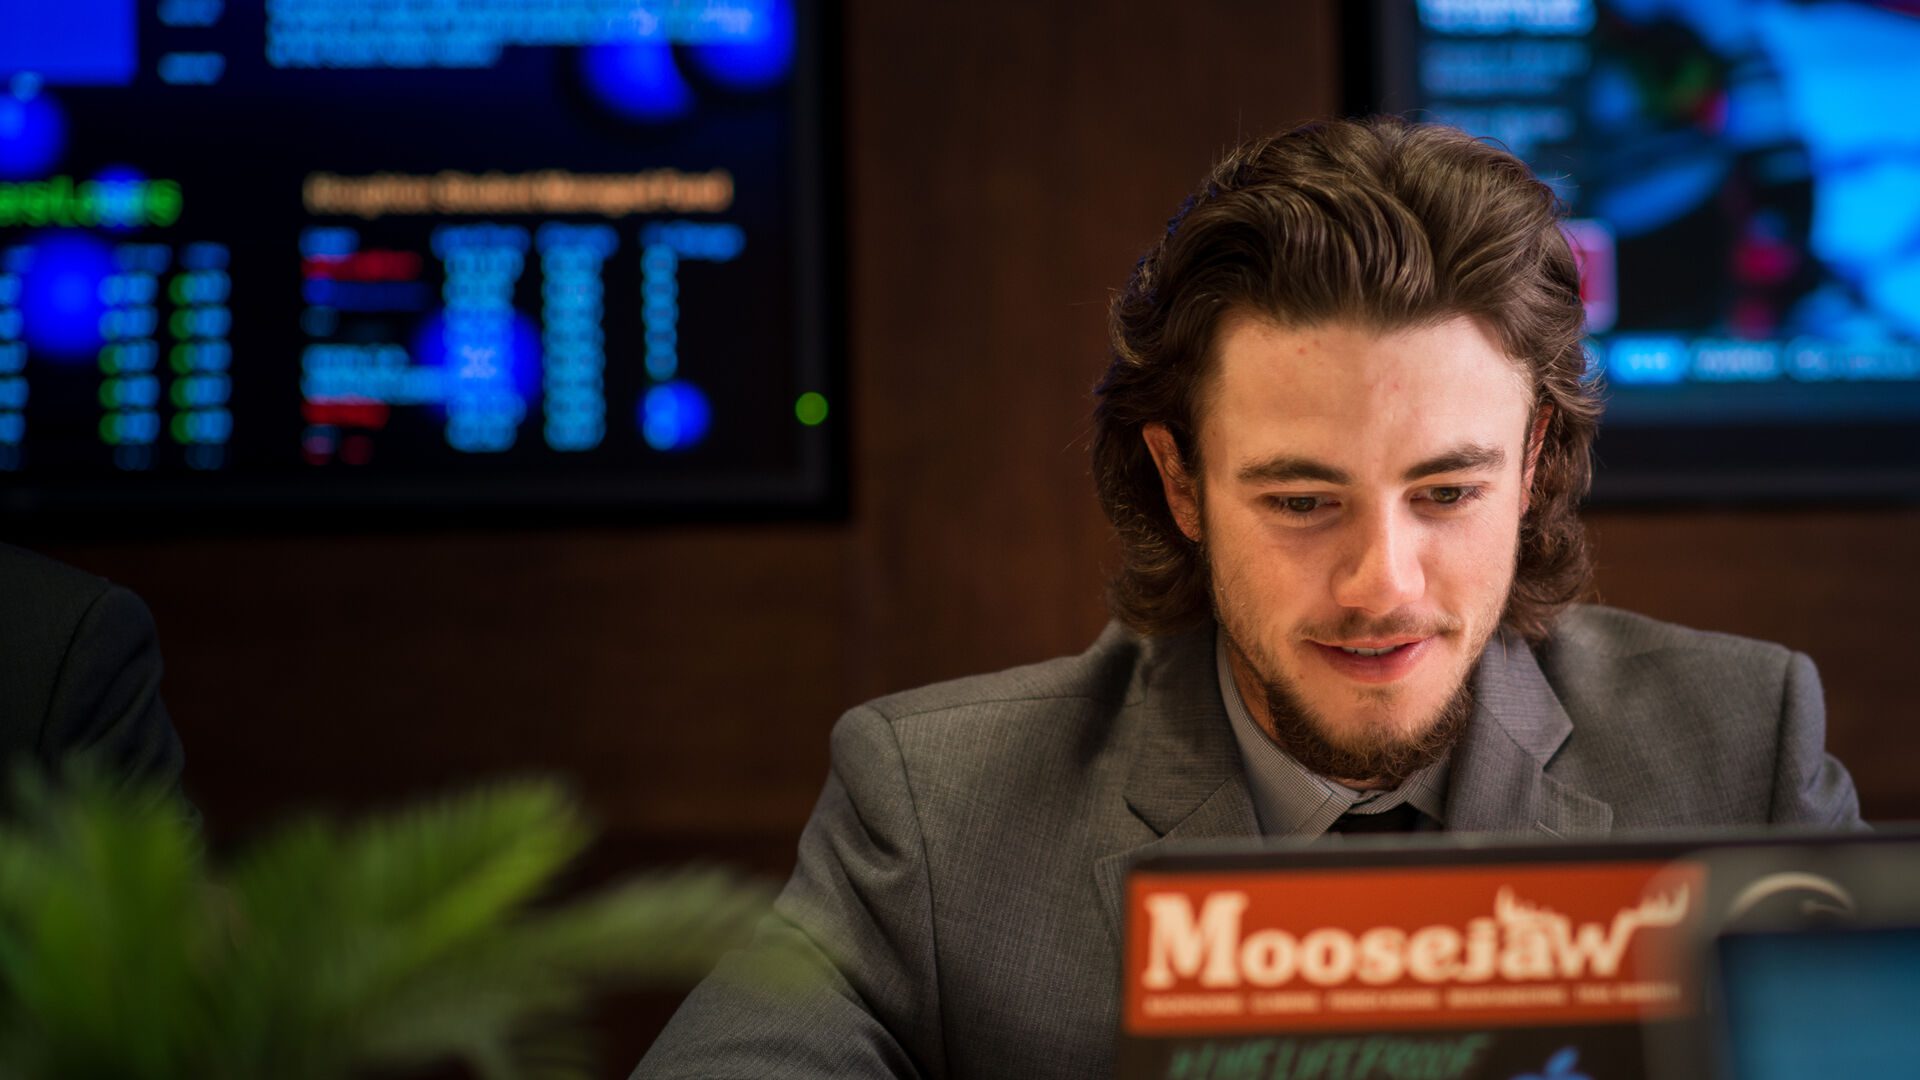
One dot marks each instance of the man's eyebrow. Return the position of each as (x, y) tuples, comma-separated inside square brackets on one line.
[(1460, 459), (1284, 470)]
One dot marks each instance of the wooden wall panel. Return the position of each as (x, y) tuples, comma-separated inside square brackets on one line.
[(683, 678), (1009, 162)]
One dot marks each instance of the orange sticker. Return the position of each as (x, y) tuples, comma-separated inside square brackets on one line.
[(1406, 948)]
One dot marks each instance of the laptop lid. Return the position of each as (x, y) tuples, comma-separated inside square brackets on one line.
[(1442, 957)]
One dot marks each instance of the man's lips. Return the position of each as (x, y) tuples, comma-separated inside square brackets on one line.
[(1384, 668), (1375, 643)]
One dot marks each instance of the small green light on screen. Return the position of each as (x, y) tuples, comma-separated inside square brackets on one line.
[(811, 409)]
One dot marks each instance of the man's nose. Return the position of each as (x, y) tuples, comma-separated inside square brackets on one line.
[(1381, 571)]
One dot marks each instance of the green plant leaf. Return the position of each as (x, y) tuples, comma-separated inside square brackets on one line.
[(412, 940)]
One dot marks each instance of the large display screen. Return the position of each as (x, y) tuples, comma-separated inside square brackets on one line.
[(1743, 182), (415, 253)]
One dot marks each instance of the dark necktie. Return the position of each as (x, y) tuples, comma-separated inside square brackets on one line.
[(1402, 818)]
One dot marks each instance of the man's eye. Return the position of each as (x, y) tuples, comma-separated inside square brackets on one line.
[(1451, 496), (1298, 504)]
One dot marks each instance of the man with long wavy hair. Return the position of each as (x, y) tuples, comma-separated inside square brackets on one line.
[(1348, 419), (1343, 438)]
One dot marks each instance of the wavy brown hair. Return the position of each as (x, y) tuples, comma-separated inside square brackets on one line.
[(1380, 223)]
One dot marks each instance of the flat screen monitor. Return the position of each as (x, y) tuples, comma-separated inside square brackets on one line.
[(318, 254), (1743, 188)]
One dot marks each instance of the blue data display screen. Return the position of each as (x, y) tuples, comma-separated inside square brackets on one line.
[(1744, 186), (473, 251)]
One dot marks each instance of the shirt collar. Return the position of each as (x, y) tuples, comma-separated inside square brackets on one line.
[(1292, 800)]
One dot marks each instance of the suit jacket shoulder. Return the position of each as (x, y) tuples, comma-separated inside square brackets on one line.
[(81, 672), (1674, 726), (957, 886), (1111, 747), (1595, 631), (1103, 673), (1050, 715), (42, 605)]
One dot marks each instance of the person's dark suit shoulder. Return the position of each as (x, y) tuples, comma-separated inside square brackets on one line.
[(80, 673)]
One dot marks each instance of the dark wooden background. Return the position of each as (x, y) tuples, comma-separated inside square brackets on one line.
[(1006, 162)]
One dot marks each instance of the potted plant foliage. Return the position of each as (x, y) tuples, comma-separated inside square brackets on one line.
[(386, 947)]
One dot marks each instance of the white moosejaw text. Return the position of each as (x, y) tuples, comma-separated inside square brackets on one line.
[(1521, 942)]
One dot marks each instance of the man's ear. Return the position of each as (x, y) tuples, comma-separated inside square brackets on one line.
[(1536, 439), (1182, 498)]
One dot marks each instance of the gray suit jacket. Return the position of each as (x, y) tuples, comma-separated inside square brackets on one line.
[(955, 909)]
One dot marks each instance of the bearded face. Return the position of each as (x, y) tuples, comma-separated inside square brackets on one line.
[(1359, 502)]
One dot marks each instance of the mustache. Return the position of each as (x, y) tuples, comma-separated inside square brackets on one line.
[(1355, 624)]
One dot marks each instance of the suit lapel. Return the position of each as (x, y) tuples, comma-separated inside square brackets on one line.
[(1498, 780), (1184, 779)]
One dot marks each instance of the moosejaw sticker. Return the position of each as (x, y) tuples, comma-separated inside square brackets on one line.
[(1386, 949)]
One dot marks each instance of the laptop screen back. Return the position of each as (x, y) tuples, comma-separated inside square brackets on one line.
[(1821, 1003)]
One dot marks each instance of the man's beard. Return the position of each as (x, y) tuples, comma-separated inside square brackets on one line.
[(1379, 757)]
